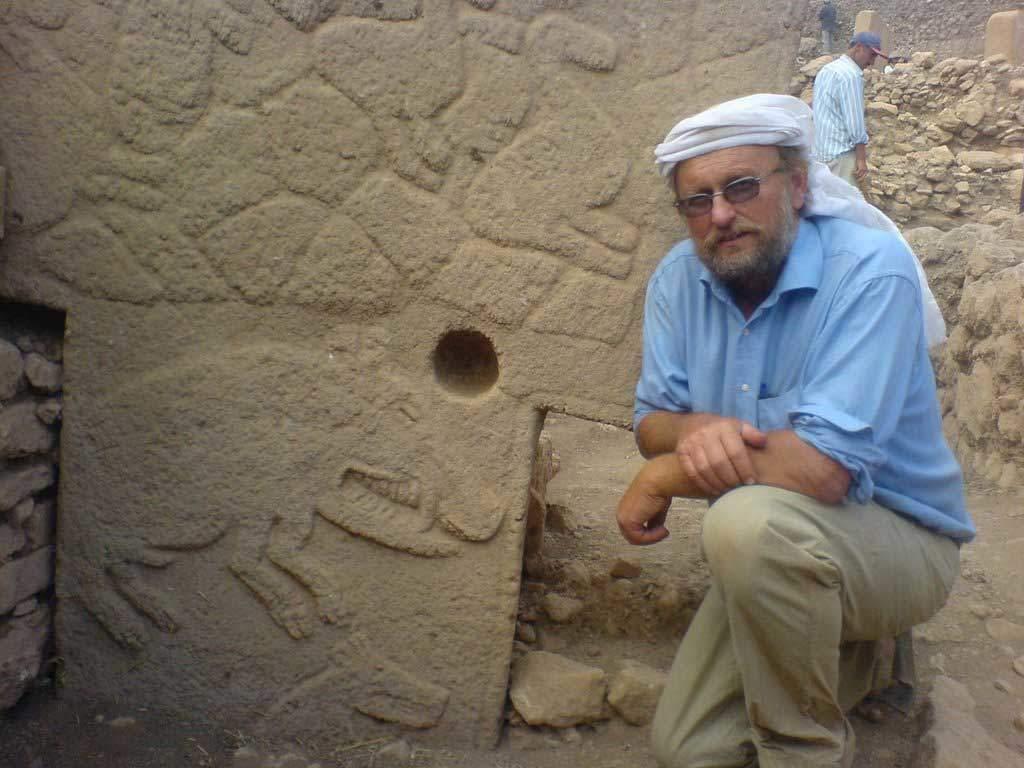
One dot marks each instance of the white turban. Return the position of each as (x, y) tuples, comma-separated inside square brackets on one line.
[(785, 121)]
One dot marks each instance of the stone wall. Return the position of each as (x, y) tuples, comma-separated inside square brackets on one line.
[(946, 138), (326, 264), (30, 414), (977, 274), (947, 27)]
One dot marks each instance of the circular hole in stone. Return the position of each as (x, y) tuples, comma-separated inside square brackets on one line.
[(465, 362)]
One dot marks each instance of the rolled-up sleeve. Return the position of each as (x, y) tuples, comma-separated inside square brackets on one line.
[(858, 375), (663, 384)]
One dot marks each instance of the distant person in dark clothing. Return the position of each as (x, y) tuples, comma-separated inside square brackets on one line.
[(827, 17)]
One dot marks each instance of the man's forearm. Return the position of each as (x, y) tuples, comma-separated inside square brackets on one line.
[(860, 154), (786, 461), (659, 432)]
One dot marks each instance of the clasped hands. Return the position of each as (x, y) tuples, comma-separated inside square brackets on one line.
[(708, 461)]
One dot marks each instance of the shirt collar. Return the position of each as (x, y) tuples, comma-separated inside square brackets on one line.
[(802, 270), (851, 64)]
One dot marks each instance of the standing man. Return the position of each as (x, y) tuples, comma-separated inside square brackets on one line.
[(840, 135), (786, 379), (827, 17)]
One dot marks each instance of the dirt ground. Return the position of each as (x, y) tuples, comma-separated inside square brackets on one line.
[(639, 618)]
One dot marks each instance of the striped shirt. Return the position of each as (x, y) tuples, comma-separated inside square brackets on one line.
[(838, 109)]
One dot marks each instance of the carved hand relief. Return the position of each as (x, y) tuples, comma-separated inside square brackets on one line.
[(260, 427), (362, 437)]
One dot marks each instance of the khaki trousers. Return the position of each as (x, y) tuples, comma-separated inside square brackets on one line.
[(843, 166), (784, 643)]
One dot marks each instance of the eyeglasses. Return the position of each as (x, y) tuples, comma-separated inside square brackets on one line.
[(739, 191)]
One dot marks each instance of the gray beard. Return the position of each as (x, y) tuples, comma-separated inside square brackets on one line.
[(754, 277)]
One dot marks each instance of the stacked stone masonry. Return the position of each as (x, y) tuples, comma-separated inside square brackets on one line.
[(948, 27), (946, 138), (30, 416), (977, 274)]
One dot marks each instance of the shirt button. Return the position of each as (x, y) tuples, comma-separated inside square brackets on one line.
[(745, 388), (746, 331)]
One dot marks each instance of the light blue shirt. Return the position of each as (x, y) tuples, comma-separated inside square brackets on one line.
[(838, 109), (836, 353)]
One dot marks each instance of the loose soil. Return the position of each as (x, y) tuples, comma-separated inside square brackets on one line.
[(639, 618)]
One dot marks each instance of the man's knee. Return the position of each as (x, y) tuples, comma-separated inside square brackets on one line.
[(751, 531), (733, 526)]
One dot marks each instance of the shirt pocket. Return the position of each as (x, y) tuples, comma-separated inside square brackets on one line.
[(773, 412)]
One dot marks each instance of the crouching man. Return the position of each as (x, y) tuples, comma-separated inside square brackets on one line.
[(786, 379)]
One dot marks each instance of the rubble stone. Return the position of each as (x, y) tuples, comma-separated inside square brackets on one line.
[(12, 369), (548, 689), (21, 654), (980, 160), (42, 374), (12, 540), (16, 484), (22, 578), (625, 569), (49, 411), (39, 525), (562, 609), (634, 692), (22, 433)]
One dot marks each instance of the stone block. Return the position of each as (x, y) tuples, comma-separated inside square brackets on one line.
[(940, 156), (562, 609), (1004, 34), (47, 344), (634, 692), (17, 484), (49, 411), (21, 654), (882, 109), (548, 689), (923, 59), (22, 433), (3, 199), (12, 369), (872, 21), (12, 540), (39, 525), (980, 160), (811, 68), (1017, 87), (22, 578), (970, 112), (255, 311), (42, 374)]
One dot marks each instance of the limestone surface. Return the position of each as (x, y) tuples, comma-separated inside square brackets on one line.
[(325, 265)]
